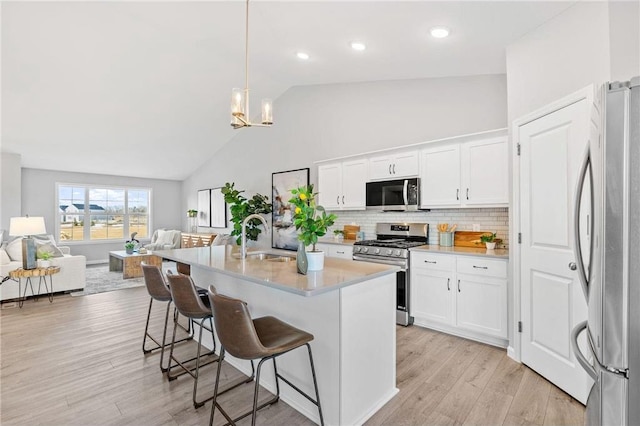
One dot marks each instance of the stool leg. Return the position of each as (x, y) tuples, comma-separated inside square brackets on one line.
[(197, 404), (215, 389), (315, 384), (164, 336), (173, 342), (255, 393), (146, 328)]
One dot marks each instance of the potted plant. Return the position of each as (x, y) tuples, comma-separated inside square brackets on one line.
[(129, 246), (312, 221), (489, 240), (241, 207), (192, 213), (44, 259), (338, 235)]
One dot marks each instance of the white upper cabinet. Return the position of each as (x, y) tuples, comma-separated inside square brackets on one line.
[(469, 174), (394, 165), (341, 186)]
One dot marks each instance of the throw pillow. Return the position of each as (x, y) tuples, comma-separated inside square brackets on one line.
[(165, 238), (14, 249), (46, 246), (4, 257)]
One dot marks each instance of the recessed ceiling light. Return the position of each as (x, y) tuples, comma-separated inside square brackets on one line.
[(439, 32), (358, 45), (302, 55)]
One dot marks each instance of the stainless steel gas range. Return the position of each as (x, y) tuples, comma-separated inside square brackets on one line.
[(391, 247)]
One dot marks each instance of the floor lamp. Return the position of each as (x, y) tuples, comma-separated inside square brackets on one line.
[(26, 227)]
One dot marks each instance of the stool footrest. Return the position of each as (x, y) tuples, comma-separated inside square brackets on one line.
[(300, 391)]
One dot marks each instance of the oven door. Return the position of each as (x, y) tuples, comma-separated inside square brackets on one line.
[(402, 287)]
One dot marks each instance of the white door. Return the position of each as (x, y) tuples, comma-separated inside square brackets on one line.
[(485, 172), (330, 185), (354, 181), (552, 301), (440, 183)]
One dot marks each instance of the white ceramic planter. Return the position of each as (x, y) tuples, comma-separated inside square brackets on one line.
[(491, 246), (315, 260), (44, 263)]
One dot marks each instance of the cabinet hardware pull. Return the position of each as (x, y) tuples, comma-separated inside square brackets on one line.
[(394, 169), (458, 286), (338, 199), (343, 199), (457, 194), (339, 252), (480, 267), (430, 261), (389, 168), (467, 193), (448, 287)]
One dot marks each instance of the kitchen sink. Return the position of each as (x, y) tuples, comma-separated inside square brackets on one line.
[(271, 257)]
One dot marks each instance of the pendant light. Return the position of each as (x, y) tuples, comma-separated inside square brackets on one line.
[(240, 97)]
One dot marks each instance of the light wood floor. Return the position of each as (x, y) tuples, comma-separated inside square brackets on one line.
[(79, 361)]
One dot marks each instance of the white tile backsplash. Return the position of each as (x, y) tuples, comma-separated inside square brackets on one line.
[(493, 219)]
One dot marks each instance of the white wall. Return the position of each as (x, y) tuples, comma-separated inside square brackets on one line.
[(565, 54), (319, 122), (10, 184), (624, 30), (39, 199)]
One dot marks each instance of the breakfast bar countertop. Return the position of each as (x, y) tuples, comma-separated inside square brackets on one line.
[(465, 251), (337, 273)]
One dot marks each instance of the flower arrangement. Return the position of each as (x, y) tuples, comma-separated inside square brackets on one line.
[(309, 218)]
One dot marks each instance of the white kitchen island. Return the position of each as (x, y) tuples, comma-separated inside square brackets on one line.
[(350, 309)]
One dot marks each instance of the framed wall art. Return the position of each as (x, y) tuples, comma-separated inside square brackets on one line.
[(283, 232), (204, 208), (218, 209)]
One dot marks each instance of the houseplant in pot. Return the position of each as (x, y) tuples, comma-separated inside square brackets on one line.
[(312, 221), (241, 207), (129, 246), (489, 240), (44, 259)]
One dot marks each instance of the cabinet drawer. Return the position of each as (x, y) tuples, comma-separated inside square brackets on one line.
[(433, 261), (341, 251), (484, 267)]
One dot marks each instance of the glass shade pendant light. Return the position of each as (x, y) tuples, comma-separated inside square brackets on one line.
[(240, 116)]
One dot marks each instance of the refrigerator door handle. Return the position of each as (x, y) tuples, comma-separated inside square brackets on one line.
[(582, 360), (582, 273)]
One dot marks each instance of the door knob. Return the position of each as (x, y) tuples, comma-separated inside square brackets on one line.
[(573, 266)]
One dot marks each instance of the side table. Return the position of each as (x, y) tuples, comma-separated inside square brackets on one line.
[(41, 273)]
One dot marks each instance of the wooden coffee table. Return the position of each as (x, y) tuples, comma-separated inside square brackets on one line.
[(129, 264), (41, 273)]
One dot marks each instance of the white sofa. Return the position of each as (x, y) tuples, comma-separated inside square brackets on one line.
[(72, 275)]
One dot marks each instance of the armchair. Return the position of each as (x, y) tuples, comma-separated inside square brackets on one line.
[(163, 239)]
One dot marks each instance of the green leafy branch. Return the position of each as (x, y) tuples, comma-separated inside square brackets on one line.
[(241, 207), (309, 218)]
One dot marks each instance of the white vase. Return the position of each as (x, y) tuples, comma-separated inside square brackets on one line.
[(491, 246), (44, 263), (315, 260)]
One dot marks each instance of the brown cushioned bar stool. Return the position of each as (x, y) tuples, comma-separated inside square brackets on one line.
[(159, 291), (190, 304), (261, 338)]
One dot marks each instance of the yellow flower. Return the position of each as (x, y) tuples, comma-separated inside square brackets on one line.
[(302, 197), (298, 210)]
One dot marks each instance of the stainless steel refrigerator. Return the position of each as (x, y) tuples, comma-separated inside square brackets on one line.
[(611, 277)]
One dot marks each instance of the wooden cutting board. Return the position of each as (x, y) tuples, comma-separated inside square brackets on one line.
[(469, 238), (350, 232)]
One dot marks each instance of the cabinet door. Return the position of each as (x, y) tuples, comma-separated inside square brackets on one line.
[(354, 180), (406, 164), (440, 183), (380, 167), (330, 185), (485, 172), (481, 304), (431, 293)]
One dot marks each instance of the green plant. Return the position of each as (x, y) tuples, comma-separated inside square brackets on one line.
[(309, 218), (44, 255), (241, 207), (338, 232), (129, 245), (192, 213), (488, 238)]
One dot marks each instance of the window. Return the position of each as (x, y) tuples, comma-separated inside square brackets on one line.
[(90, 213)]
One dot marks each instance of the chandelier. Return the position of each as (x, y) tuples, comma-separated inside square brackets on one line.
[(240, 97)]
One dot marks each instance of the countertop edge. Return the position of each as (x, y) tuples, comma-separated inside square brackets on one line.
[(460, 251)]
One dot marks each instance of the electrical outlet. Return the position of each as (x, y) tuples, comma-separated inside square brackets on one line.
[(476, 227)]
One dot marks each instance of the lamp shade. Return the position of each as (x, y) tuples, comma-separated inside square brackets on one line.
[(21, 226)]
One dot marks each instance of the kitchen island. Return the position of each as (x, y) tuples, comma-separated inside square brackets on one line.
[(349, 307)]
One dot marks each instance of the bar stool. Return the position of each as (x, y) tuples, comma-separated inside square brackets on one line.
[(190, 304), (261, 338), (159, 291)]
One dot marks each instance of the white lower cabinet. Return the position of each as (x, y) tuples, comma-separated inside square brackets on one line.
[(447, 297), (342, 251)]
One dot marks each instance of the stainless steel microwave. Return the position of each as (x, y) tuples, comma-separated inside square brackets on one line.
[(394, 195)]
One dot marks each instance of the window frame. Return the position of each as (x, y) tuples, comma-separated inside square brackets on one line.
[(86, 233)]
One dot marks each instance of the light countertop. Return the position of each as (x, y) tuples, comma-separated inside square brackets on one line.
[(336, 242), (465, 251), (337, 273)]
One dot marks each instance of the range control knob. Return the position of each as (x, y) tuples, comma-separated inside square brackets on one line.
[(377, 251), (388, 252), (365, 249), (356, 249), (396, 252)]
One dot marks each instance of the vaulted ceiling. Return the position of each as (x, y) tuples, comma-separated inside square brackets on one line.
[(143, 88)]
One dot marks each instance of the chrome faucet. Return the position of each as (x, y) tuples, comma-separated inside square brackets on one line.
[(243, 241)]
